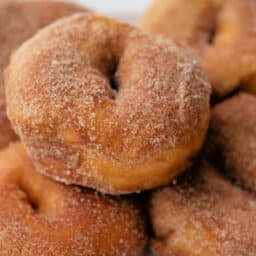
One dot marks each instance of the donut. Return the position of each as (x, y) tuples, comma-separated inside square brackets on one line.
[(41, 217), (233, 138), (96, 75), (18, 22), (203, 214), (101, 104), (220, 32)]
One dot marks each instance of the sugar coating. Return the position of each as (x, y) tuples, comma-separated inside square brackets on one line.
[(78, 129), (41, 217), (203, 214), (218, 31), (18, 22), (233, 137)]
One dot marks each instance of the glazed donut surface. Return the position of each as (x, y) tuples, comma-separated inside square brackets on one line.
[(233, 136), (221, 32), (18, 22), (41, 217), (111, 107), (203, 214)]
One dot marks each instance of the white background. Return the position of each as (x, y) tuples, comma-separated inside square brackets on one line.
[(126, 10)]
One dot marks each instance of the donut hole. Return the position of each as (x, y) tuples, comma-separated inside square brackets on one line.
[(212, 34), (213, 26), (213, 29), (30, 198), (113, 81)]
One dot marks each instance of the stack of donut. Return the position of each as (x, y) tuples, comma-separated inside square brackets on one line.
[(115, 154)]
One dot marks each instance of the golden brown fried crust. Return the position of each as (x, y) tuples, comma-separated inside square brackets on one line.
[(80, 130), (18, 22), (41, 217), (220, 32), (205, 215), (233, 137)]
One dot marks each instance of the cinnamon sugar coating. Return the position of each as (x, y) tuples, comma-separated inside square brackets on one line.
[(221, 32), (41, 217), (203, 214), (18, 22), (233, 138), (102, 104)]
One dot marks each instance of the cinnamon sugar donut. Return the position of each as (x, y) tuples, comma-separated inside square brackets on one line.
[(18, 22), (203, 214), (102, 104), (41, 217), (233, 134), (221, 32)]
